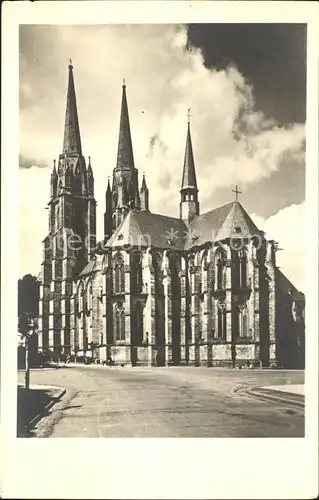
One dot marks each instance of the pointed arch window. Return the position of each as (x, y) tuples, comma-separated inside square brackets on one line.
[(242, 268), (68, 177), (139, 322), (89, 297), (205, 269), (220, 262), (57, 218), (77, 181), (81, 297), (114, 222), (119, 322), (243, 329), (139, 273), (119, 276), (221, 320)]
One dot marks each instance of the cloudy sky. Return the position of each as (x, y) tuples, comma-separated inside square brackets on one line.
[(245, 85)]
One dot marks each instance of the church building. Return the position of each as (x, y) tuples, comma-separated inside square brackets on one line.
[(198, 289)]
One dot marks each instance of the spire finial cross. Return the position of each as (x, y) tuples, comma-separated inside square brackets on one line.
[(124, 84), (237, 192), (70, 61), (189, 115)]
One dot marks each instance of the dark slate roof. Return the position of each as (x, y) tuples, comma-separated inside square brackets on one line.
[(285, 286), (189, 174), (202, 227), (237, 218), (91, 267), (146, 229), (219, 224)]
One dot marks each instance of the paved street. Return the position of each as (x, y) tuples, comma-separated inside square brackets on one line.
[(171, 402)]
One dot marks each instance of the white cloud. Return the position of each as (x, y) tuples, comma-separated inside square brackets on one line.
[(233, 142), (33, 218), (287, 227)]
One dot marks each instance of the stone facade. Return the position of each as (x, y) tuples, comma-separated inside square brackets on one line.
[(198, 290)]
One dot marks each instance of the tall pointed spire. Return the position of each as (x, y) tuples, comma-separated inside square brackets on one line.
[(125, 159), (189, 205), (189, 174), (72, 138)]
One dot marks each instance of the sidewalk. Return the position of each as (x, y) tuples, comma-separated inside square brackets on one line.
[(290, 394), (289, 388)]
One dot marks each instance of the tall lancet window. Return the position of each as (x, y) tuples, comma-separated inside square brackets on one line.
[(57, 218), (243, 321), (221, 320), (81, 297), (89, 297), (67, 176), (137, 262), (220, 261), (119, 322), (119, 275), (114, 221), (242, 268), (77, 182)]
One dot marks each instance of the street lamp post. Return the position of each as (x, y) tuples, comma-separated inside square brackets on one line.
[(31, 325), (27, 368)]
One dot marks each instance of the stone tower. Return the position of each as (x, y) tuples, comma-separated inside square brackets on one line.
[(72, 231), (125, 193), (189, 205)]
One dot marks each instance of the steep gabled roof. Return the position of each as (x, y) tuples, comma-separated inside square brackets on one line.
[(237, 223), (219, 224), (89, 268), (146, 229)]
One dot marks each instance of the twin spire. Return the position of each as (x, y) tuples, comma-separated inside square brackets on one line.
[(189, 174), (125, 158), (72, 138)]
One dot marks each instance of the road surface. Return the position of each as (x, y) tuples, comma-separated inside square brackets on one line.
[(171, 402)]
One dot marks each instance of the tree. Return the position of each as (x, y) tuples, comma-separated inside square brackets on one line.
[(28, 312), (28, 298)]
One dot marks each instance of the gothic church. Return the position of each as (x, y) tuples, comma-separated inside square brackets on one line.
[(201, 289)]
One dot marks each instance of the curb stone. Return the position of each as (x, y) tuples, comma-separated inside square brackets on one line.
[(46, 422), (56, 399), (273, 396)]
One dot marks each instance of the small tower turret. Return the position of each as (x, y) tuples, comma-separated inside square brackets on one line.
[(108, 212), (90, 178), (144, 196)]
